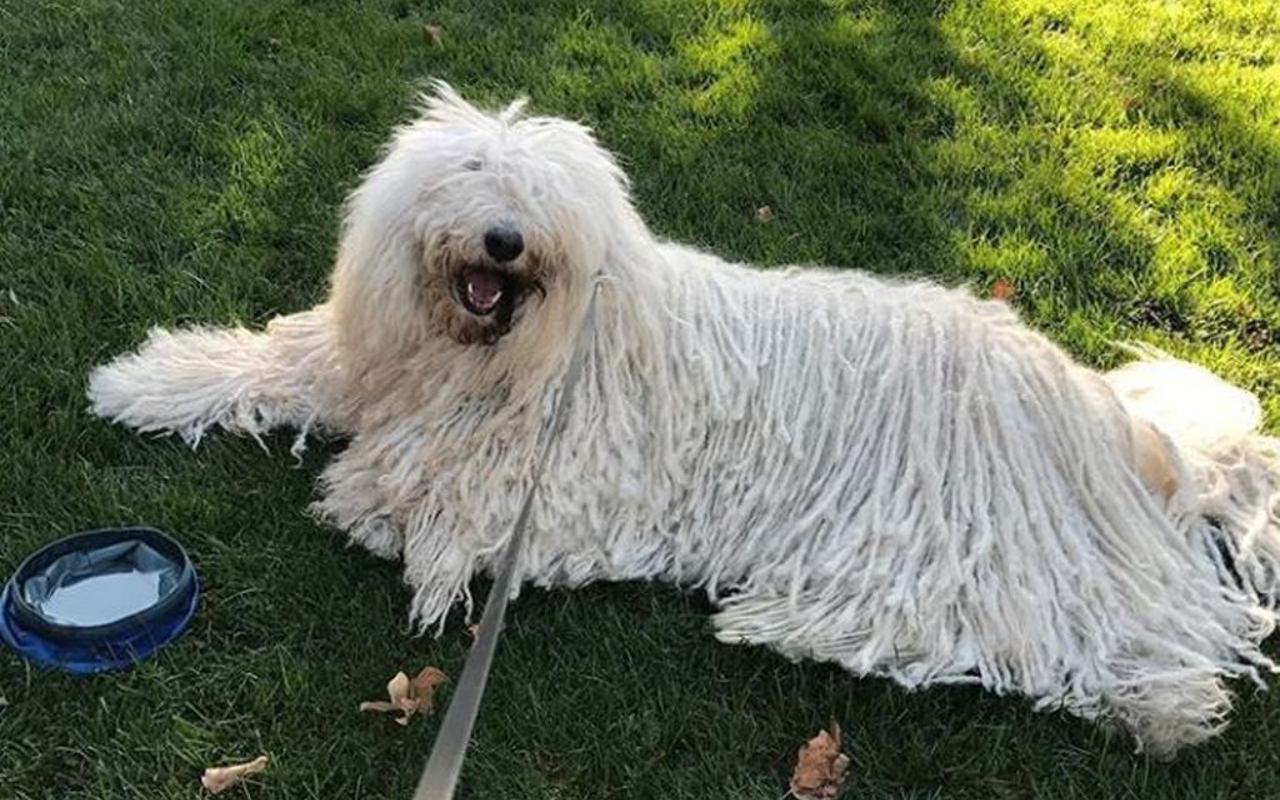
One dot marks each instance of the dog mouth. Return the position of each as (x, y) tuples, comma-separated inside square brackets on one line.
[(491, 296), (481, 290)]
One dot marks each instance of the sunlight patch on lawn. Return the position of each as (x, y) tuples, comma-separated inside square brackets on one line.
[(1114, 150), (256, 156), (599, 63), (727, 59)]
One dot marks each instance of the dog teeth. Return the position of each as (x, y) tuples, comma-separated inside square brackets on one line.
[(487, 303)]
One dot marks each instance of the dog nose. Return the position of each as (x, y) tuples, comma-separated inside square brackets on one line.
[(503, 244)]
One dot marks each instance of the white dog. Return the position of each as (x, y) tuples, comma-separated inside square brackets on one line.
[(893, 476)]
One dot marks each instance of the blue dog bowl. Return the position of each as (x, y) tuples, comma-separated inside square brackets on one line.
[(100, 600)]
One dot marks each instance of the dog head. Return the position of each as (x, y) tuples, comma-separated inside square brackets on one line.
[(477, 228)]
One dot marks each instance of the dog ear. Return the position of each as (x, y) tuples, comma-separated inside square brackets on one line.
[(375, 287)]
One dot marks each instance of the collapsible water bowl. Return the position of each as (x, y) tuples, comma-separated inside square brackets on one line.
[(100, 600)]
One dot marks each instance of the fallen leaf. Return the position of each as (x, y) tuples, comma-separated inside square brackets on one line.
[(408, 697), (423, 688), (218, 779), (820, 767), (764, 214), (433, 34), (474, 631), (398, 691), (1002, 290)]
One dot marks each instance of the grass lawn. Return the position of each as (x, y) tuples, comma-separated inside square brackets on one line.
[(1117, 162)]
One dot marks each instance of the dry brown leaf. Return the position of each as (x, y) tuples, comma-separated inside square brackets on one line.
[(398, 691), (423, 688), (433, 34), (820, 767), (408, 697), (473, 631), (1002, 290), (764, 214), (218, 779)]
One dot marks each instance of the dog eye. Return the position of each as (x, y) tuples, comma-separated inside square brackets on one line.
[(472, 164)]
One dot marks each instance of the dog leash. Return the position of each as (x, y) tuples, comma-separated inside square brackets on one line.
[(444, 766)]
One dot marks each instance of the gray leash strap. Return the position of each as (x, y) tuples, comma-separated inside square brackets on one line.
[(440, 777)]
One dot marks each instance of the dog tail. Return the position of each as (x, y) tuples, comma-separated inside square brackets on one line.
[(1226, 469), (1191, 405), (187, 382)]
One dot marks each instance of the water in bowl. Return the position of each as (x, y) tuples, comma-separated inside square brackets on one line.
[(101, 586), (102, 599)]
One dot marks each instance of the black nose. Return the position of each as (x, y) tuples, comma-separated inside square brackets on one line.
[(503, 244)]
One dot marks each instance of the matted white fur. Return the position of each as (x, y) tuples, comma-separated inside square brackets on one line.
[(893, 476)]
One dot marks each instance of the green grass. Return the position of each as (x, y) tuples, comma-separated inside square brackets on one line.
[(177, 162)]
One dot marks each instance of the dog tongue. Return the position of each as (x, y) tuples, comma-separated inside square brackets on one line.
[(484, 288)]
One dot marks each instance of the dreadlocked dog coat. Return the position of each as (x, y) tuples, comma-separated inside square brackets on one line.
[(893, 476)]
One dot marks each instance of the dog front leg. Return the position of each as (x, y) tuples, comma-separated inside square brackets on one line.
[(186, 382), (359, 496)]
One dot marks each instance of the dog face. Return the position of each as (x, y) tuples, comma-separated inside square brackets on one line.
[(476, 225)]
